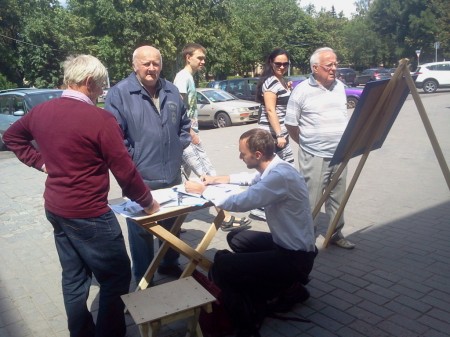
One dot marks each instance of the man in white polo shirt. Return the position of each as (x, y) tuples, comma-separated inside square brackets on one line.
[(316, 118)]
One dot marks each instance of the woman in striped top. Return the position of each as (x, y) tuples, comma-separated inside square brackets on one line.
[(273, 93)]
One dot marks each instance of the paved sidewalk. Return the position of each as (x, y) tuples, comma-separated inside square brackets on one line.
[(395, 283)]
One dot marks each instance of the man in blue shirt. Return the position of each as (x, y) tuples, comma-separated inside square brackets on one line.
[(264, 263)]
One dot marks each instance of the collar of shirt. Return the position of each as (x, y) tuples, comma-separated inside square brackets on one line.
[(275, 161), (157, 89), (69, 93), (313, 82)]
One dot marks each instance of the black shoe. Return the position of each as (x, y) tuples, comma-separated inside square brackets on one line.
[(297, 293), (174, 271)]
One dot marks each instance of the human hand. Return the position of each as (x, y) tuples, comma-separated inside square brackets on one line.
[(153, 208), (207, 180), (281, 142), (195, 139), (194, 187)]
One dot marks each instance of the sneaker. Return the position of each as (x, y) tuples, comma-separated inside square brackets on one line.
[(174, 271), (258, 213), (343, 243)]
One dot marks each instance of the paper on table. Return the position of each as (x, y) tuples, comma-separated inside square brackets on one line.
[(166, 197)]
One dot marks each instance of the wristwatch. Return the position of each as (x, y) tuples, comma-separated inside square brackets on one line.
[(279, 135)]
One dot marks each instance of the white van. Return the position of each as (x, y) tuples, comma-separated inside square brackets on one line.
[(431, 76)]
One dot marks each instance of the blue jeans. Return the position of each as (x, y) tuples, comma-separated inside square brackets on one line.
[(142, 248), (92, 246)]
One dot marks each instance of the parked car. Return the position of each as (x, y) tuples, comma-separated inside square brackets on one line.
[(373, 74), (102, 97), (242, 88), (346, 75), (431, 76), (16, 103), (353, 94), (221, 109)]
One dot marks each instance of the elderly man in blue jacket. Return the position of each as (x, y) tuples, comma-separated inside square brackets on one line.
[(156, 128)]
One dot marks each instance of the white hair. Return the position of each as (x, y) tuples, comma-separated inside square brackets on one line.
[(316, 56), (79, 68)]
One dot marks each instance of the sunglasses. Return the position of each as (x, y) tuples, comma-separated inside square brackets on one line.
[(280, 64)]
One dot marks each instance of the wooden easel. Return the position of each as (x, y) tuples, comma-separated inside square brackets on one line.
[(371, 130)]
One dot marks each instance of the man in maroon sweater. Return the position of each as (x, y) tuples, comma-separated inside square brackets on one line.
[(78, 145)]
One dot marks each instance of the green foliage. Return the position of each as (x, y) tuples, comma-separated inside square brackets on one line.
[(36, 36), (5, 84)]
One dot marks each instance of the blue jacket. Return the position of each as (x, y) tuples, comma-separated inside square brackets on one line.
[(154, 140)]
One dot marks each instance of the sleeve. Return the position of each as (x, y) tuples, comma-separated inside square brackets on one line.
[(293, 109), (271, 84), (269, 190), (121, 164), (180, 82), (185, 126), (18, 139), (114, 104)]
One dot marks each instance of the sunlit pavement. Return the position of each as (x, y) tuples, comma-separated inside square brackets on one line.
[(394, 283)]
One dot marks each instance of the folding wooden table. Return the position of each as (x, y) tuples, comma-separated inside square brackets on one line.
[(170, 240)]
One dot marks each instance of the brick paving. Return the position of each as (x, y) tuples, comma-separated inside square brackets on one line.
[(395, 283)]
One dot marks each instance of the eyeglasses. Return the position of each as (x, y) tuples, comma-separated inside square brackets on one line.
[(329, 66), (281, 64)]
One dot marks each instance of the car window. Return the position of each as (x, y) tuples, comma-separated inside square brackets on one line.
[(443, 67), (36, 99), (18, 103), (252, 86), (5, 104), (218, 96), (201, 99)]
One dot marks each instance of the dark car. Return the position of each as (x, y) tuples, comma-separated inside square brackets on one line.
[(242, 88), (16, 103), (353, 94), (346, 75), (372, 74)]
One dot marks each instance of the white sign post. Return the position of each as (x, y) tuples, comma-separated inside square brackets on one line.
[(436, 46), (418, 56)]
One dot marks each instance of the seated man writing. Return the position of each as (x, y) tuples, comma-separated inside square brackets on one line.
[(264, 263)]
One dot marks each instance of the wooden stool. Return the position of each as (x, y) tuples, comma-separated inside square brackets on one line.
[(168, 302)]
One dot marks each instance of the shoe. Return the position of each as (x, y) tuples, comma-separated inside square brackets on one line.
[(258, 213), (343, 243), (174, 271), (234, 224), (297, 293)]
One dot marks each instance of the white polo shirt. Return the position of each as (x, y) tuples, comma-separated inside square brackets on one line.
[(320, 114)]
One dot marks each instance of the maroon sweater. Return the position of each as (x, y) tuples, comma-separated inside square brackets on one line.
[(78, 143)]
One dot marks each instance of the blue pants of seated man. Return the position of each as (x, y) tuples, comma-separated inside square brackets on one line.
[(92, 246)]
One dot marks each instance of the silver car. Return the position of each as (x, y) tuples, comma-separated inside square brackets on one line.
[(14, 103), (221, 109)]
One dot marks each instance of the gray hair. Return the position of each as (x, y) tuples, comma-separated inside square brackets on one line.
[(316, 56), (79, 68)]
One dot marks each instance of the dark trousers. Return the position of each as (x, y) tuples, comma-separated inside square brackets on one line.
[(141, 240), (258, 271), (92, 246)]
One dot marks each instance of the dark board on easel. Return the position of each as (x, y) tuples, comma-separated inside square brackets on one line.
[(366, 119)]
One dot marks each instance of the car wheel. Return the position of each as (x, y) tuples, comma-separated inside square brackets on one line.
[(430, 86), (222, 120), (351, 102)]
